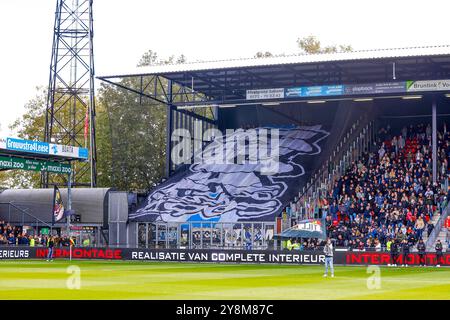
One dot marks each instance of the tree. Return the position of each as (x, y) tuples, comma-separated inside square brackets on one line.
[(261, 54), (30, 126), (311, 45), (130, 135), (150, 58), (134, 132)]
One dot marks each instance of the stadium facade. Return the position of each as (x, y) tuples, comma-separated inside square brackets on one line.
[(327, 110)]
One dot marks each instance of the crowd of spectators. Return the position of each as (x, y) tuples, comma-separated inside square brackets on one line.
[(10, 235), (388, 193)]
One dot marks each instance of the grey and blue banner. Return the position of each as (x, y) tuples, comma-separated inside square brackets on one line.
[(351, 89)]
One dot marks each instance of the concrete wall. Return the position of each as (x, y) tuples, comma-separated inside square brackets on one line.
[(118, 217)]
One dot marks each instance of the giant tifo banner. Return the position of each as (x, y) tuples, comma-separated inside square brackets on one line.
[(350, 89), (218, 256), (42, 148), (216, 191)]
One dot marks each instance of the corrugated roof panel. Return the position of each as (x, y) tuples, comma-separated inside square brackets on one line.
[(288, 59)]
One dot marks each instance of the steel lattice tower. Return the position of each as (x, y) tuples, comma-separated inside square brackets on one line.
[(70, 111)]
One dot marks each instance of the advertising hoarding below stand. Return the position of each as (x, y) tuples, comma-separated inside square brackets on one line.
[(294, 257)]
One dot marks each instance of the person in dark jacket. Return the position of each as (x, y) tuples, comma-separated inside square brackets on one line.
[(50, 246), (405, 251), (439, 256), (394, 253), (430, 228), (421, 248)]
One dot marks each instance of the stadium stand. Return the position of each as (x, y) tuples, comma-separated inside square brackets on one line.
[(18, 236), (388, 192)]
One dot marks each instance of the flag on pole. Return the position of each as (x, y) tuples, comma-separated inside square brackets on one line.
[(58, 206)]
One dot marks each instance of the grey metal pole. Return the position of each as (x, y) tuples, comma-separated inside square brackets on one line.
[(169, 128), (69, 207), (434, 138)]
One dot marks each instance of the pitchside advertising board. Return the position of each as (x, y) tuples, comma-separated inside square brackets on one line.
[(350, 89), (218, 256), (42, 148)]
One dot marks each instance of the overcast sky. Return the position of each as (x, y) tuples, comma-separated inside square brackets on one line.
[(204, 30)]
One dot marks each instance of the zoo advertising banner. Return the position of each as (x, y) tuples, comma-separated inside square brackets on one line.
[(217, 256), (34, 165)]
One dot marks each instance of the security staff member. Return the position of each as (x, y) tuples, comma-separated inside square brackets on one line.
[(438, 249), (394, 252), (421, 248), (405, 251)]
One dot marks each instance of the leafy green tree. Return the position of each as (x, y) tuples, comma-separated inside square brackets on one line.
[(29, 126), (136, 127), (312, 45)]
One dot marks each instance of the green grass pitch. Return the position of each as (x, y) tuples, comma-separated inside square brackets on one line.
[(153, 280)]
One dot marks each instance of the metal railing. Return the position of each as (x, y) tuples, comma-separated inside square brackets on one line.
[(437, 228), (206, 235), (350, 148), (22, 212)]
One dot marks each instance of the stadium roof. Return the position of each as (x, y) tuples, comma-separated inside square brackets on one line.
[(288, 60), (227, 80)]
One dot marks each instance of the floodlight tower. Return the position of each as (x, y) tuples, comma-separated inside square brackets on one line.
[(70, 110)]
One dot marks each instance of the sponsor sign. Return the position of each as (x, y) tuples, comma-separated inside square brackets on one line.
[(42, 148), (34, 165), (384, 258), (8, 253), (315, 91), (376, 88), (220, 256), (262, 94), (27, 146), (229, 256), (68, 151), (352, 89), (428, 85)]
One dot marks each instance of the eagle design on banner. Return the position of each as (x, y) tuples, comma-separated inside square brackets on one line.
[(233, 192)]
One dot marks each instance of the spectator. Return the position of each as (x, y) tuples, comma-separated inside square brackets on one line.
[(50, 246), (447, 226), (420, 225), (430, 227), (389, 195)]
